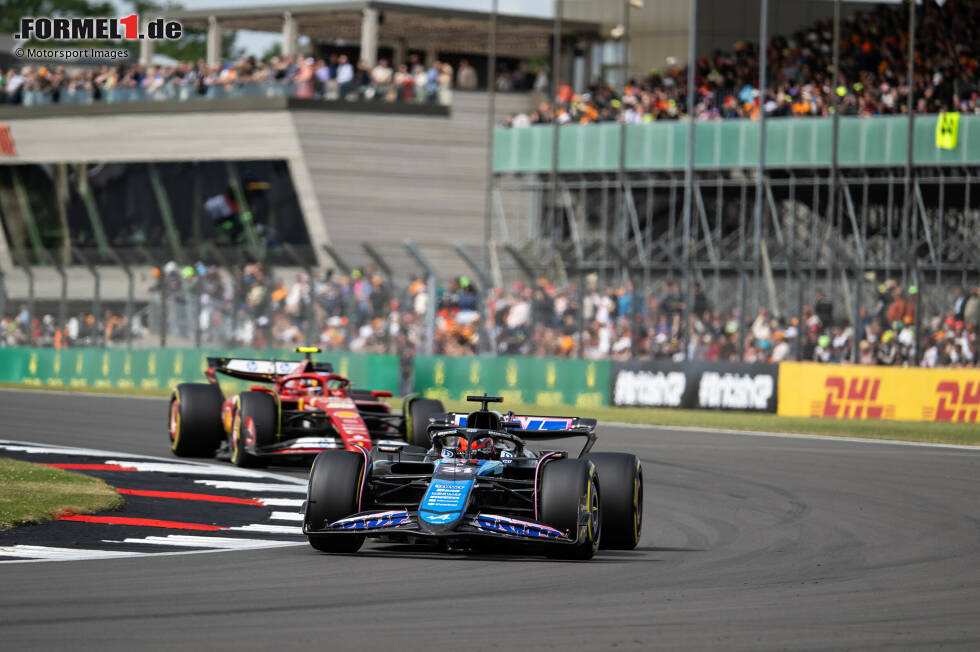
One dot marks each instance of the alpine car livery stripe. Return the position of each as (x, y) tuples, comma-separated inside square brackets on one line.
[(444, 500)]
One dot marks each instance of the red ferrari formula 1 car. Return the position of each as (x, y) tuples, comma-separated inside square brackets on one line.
[(302, 409)]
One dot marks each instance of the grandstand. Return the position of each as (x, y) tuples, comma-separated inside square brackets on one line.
[(272, 174)]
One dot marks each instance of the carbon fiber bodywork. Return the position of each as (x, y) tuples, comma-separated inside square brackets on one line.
[(456, 496)]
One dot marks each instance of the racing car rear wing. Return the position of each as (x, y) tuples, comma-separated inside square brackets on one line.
[(529, 427), (263, 370)]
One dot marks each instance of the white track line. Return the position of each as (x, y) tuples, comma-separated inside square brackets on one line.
[(63, 450), (255, 486), (286, 516), (272, 529), (177, 467), (30, 390), (275, 483), (216, 469), (63, 554), (280, 502), (224, 543), (792, 435)]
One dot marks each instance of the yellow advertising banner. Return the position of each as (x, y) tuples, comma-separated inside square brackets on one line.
[(947, 128), (810, 389)]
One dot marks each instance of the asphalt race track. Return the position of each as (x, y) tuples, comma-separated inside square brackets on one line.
[(749, 542)]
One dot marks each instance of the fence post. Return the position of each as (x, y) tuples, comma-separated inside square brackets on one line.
[(485, 285), (337, 259), (230, 269), (3, 293), (163, 310), (390, 278), (96, 287), (198, 292), (97, 300), (111, 253), (63, 300), (312, 331), (430, 304)]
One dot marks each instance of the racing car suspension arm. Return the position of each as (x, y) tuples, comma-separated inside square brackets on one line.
[(396, 486), (520, 493)]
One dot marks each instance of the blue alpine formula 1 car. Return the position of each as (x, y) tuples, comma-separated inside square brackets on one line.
[(478, 486)]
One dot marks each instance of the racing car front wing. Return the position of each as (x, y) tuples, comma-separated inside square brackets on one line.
[(407, 523)]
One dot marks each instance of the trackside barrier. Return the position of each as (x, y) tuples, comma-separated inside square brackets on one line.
[(809, 389), (547, 382), (796, 389), (695, 385), (723, 144), (153, 369)]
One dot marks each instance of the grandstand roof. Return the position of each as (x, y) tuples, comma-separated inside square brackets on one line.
[(421, 27)]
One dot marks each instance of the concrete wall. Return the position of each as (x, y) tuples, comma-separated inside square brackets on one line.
[(167, 136), (391, 178), (161, 136), (382, 178)]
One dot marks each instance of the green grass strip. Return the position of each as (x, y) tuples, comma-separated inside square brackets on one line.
[(33, 493)]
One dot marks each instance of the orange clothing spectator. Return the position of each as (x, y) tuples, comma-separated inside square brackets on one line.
[(896, 311)]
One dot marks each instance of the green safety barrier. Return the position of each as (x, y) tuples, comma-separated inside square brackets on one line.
[(721, 144), (547, 382), (154, 369)]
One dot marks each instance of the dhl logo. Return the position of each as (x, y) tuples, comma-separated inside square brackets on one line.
[(957, 402), (854, 399)]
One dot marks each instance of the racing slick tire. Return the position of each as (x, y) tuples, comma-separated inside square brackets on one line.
[(622, 499), (333, 493), (195, 420), (417, 413), (261, 408), (569, 494)]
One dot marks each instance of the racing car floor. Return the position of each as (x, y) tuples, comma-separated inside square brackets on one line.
[(749, 542)]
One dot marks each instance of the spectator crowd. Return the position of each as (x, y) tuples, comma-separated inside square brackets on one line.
[(872, 80), (336, 77), (364, 312)]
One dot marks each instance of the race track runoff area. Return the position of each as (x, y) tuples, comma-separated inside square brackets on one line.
[(749, 543), (170, 506)]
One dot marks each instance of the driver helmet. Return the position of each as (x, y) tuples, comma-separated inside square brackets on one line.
[(312, 387), (482, 448), (453, 446)]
